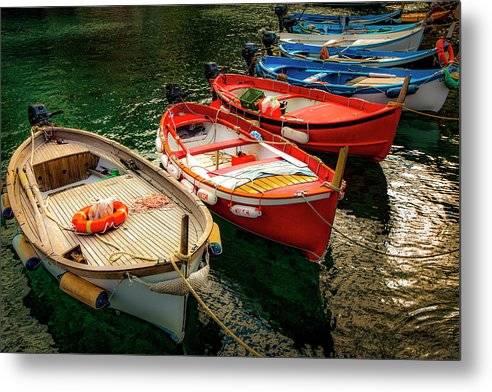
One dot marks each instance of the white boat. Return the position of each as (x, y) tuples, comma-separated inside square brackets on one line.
[(407, 40), (131, 267)]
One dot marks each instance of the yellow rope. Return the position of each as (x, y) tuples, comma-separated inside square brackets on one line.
[(431, 115), (214, 317)]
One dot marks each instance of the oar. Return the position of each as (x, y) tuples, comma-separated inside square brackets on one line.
[(340, 168)]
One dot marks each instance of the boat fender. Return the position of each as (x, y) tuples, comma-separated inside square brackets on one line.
[(246, 211), (324, 54), (164, 161), (451, 79), (207, 196), (188, 185), (214, 241), (84, 291), (7, 211), (26, 252), (174, 170), (158, 143), (394, 92), (294, 135), (444, 51)]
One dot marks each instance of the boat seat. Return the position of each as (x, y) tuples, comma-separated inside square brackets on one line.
[(228, 169), (214, 147), (368, 81)]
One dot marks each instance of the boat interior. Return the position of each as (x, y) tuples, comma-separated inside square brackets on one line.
[(234, 160), (298, 107), (71, 175)]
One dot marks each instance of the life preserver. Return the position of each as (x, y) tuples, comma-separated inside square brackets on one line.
[(445, 52), (82, 224), (324, 54)]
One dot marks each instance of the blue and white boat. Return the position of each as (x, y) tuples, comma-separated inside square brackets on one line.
[(405, 40), (427, 89), (303, 27), (368, 58), (357, 19)]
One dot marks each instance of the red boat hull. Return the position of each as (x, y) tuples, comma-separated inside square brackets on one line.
[(369, 133), (295, 225)]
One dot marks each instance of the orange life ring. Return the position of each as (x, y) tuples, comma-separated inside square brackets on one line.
[(324, 54), (82, 224), (445, 52)]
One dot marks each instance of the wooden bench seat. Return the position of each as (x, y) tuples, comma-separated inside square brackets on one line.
[(225, 144)]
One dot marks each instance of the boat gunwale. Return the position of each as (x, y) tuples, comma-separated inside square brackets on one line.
[(107, 271), (385, 109)]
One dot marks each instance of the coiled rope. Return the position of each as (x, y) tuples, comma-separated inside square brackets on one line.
[(374, 249)]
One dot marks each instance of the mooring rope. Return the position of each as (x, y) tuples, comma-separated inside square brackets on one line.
[(238, 340), (431, 115), (374, 249)]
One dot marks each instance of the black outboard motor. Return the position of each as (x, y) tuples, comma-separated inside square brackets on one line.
[(268, 39), (249, 53), (289, 22), (281, 11), (174, 93), (211, 71), (38, 114)]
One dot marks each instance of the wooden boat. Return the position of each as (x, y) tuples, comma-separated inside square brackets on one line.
[(314, 119), (435, 16), (303, 27), (427, 89), (356, 19), (368, 58), (259, 181), (407, 40), (58, 171)]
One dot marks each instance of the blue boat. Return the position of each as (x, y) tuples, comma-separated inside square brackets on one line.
[(358, 19), (427, 89), (368, 58), (303, 27)]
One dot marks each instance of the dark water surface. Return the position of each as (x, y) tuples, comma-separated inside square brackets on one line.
[(107, 68)]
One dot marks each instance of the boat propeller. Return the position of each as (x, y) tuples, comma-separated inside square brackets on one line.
[(268, 39), (248, 53), (39, 115), (280, 10), (174, 93)]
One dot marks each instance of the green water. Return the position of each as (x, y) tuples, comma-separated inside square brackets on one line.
[(107, 69)]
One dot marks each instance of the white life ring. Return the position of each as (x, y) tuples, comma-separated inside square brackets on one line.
[(207, 196), (246, 211)]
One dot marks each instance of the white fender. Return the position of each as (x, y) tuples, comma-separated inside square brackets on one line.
[(188, 185), (174, 170), (164, 160), (158, 143), (245, 211), (295, 135), (207, 196)]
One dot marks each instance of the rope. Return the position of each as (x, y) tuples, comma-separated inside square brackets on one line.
[(238, 340), (374, 249), (431, 115)]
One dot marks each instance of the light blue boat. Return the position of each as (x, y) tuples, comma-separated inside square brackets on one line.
[(304, 27), (427, 89), (357, 19), (368, 58)]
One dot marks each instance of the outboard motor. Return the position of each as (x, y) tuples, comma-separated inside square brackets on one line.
[(281, 11), (39, 115), (268, 39), (289, 22), (211, 71), (249, 53), (174, 93)]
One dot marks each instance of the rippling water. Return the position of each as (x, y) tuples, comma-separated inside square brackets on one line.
[(107, 68)]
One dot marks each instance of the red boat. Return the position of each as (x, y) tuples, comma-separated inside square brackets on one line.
[(257, 180), (314, 119)]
